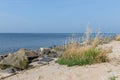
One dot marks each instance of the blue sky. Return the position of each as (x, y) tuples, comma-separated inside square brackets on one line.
[(59, 16)]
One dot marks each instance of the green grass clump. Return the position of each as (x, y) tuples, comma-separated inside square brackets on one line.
[(89, 56), (112, 78), (76, 54)]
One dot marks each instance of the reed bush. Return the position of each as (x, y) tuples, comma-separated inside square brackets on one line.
[(117, 38), (83, 56), (84, 53)]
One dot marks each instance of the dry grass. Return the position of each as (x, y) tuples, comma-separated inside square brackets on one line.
[(84, 53), (75, 54), (117, 38)]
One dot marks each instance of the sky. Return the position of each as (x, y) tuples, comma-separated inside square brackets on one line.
[(59, 16)]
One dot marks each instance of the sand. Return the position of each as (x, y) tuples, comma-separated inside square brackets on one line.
[(54, 71)]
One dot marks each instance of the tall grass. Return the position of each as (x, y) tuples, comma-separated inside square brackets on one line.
[(87, 52), (117, 38)]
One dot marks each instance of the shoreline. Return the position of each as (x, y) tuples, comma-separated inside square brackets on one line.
[(99, 71)]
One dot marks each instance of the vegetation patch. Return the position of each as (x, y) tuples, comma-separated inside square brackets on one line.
[(112, 78), (87, 52), (82, 56), (117, 38)]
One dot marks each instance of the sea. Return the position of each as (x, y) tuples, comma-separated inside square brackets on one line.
[(11, 42)]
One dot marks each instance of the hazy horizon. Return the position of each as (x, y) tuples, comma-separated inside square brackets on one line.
[(64, 16)]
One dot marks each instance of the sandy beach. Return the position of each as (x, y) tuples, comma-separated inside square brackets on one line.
[(54, 71)]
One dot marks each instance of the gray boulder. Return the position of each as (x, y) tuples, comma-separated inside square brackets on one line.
[(17, 60)]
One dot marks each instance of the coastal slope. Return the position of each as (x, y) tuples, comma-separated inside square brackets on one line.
[(54, 71)]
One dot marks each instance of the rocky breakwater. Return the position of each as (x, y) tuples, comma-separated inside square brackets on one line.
[(21, 59)]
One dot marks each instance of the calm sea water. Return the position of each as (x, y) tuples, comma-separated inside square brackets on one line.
[(10, 42)]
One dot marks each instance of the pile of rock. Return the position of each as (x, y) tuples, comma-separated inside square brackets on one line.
[(48, 52), (22, 58)]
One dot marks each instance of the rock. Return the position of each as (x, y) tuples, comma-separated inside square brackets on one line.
[(31, 54), (9, 70), (43, 63), (45, 51), (17, 60), (1, 57), (34, 60), (6, 55), (45, 60), (48, 52), (41, 49), (53, 54), (38, 51)]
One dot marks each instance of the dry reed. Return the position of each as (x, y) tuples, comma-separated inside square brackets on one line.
[(87, 53)]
